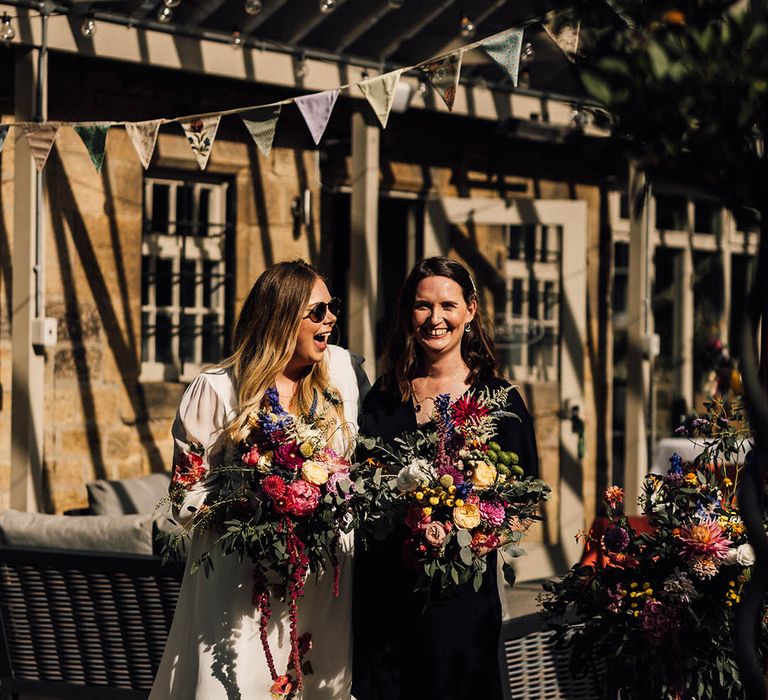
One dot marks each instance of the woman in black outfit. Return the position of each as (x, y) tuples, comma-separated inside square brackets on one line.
[(450, 649)]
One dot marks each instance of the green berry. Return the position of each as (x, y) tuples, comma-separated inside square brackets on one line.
[(492, 456), (494, 446), (505, 458), (514, 458), (503, 469), (517, 469)]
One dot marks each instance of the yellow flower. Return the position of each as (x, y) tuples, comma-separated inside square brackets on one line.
[(306, 449), (483, 475), (446, 480), (426, 512), (466, 516), (692, 479), (314, 473)]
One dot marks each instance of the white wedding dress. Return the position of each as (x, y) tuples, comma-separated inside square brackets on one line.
[(214, 651)]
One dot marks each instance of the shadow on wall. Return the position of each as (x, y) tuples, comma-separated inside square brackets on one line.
[(65, 215)]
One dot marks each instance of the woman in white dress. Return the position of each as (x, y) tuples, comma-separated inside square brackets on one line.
[(214, 650)]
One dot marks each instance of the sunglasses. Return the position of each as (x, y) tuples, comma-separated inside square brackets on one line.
[(317, 312)]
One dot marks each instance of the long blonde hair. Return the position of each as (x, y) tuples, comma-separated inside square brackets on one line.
[(264, 342)]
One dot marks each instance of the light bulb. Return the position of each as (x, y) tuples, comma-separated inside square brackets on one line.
[(327, 6), (171, 3), (7, 32), (165, 15), (237, 39), (527, 53), (88, 27), (467, 26), (301, 68), (253, 7), (423, 87), (395, 4)]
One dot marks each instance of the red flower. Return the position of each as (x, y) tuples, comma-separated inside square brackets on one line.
[(415, 520), (466, 409), (302, 498), (282, 687), (273, 486), (188, 470), (251, 458), (288, 456)]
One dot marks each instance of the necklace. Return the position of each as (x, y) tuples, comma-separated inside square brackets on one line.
[(417, 402)]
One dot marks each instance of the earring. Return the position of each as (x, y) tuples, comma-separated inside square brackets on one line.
[(467, 328)]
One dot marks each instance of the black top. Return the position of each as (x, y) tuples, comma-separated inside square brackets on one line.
[(448, 650)]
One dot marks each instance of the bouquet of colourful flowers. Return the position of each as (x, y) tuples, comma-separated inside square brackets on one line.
[(456, 490), (653, 617), (282, 499)]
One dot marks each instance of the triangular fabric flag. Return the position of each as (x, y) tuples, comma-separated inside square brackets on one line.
[(505, 49), (565, 34), (201, 133), (40, 139), (261, 124), (380, 91), (443, 75), (95, 139), (3, 133), (316, 110), (144, 137)]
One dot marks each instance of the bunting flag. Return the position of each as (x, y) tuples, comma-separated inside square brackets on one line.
[(201, 133), (95, 139), (144, 137), (3, 133), (261, 125), (564, 33), (505, 49), (316, 110), (380, 91), (40, 139), (443, 75)]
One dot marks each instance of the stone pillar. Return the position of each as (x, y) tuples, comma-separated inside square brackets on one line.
[(638, 330), (28, 362), (363, 248)]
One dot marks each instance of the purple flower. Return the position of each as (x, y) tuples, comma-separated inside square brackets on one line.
[(458, 477), (681, 430), (675, 464), (492, 512), (700, 424), (616, 539), (657, 621)]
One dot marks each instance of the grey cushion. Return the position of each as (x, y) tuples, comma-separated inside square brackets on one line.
[(125, 496), (131, 534)]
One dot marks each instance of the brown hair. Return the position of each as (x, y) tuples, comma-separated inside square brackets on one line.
[(404, 357)]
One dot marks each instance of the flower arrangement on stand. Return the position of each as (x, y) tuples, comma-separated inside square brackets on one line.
[(282, 500), (656, 620), (459, 494)]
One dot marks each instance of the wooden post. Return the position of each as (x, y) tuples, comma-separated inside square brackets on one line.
[(363, 249)]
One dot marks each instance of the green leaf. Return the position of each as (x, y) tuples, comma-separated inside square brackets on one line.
[(596, 86), (455, 575), (466, 555), (509, 574), (477, 581), (463, 537), (659, 60)]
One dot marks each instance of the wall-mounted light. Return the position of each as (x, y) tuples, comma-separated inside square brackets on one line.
[(88, 27), (164, 14), (7, 32), (327, 6), (253, 7), (395, 4), (237, 38), (527, 53), (171, 3), (301, 210), (466, 27), (302, 68)]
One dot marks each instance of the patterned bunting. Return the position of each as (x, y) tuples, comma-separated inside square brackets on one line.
[(261, 124), (95, 139), (505, 49), (144, 137), (565, 34), (201, 133), (3, 133), (443, 75), (40, 139), (316, 110), (380, 91)]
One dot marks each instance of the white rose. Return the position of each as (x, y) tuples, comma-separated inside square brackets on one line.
[(745, 555), (730, 557), (414, 475)]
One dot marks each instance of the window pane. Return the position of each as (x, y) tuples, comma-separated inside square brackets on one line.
[(671, 212), (164, 282), (188, 283), (187, 338), (533, 299), (516, 242), (550, 301), (707, 217), (159, 214), (517, 297), (623, 206), (146, 333), (212, 282), (211, 338), (184, 208), (163, 328), (146, 263), (203, 212)]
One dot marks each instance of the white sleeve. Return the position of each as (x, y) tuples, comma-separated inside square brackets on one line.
[(198, 440)]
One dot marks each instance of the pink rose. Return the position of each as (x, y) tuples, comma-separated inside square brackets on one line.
[(333, 481), (302, 498), (434, 533), (251, 458)]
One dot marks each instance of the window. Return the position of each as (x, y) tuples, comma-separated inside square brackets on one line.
[(528, 326), (183, 277), (620, 294), (671, 212)]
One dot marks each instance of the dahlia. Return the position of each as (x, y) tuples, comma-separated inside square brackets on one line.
[(492, 512), (288, 456), (616, 539), (704, 567), (273, 486), (705, 539), (466, 409)]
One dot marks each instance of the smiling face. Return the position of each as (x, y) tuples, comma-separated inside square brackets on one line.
[(439, 316), (312, 338)]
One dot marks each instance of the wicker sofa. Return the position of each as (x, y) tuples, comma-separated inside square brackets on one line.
[(85, 602)]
